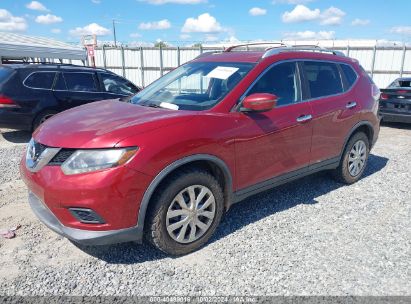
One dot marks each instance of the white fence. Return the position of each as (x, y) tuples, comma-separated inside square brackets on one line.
[(145, 64)]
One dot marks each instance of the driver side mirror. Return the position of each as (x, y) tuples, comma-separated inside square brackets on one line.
[(259, 102)]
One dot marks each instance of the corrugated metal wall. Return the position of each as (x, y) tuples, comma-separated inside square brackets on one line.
[(144, 65)]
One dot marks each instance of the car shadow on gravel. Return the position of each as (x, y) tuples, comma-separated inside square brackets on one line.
[(252, 209), (16, 137)]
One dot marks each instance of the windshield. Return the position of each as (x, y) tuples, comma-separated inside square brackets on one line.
[(194, 86)]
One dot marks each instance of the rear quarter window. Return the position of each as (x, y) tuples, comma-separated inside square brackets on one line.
[(366, 75), (40, 80), (349, 74)]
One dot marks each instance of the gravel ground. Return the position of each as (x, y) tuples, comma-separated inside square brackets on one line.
[(310, 237)]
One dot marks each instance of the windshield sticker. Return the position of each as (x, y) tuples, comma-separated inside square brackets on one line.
[(222, 72), (168, 105)]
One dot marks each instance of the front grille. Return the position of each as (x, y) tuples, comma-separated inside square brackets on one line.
[(86, 216), (61, 157)]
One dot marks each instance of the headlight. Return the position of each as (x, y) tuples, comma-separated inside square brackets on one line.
[(83, 161)]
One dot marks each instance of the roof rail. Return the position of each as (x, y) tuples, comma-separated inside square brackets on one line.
[(254, 44), (306, 45), (303, 48), (205, 54)]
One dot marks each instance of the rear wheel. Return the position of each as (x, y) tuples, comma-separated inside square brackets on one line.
[(185, 213), (354, 159), (42, 117)]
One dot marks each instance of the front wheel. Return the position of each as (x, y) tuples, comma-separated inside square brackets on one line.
[(354, 159), (185, 212)]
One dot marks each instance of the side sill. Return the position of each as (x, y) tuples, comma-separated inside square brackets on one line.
[(285, 178)]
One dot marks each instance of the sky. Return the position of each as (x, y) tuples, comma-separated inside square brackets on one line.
[(181, 22)]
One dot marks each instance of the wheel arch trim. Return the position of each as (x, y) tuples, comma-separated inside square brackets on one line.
[(355, 129), (175, 165)]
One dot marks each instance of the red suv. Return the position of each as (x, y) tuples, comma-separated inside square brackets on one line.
[(169, 163)]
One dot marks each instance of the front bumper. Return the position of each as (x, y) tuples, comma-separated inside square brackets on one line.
[(85, 237)]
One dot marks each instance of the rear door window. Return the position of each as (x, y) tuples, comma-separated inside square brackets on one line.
[(40, 80), (323, 78), (81, 82)]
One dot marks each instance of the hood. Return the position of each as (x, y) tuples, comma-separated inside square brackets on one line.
[(103, 124)]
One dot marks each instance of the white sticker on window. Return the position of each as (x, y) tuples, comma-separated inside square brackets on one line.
[(168, 105), (222, 72)]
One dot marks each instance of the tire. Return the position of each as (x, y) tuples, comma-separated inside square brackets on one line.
[(42, 117), (348, 172), (167, 199)]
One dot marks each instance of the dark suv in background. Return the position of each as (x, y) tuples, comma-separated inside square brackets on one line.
[(31, 93)]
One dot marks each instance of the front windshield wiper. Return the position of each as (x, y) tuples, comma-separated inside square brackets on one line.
[(162, 105), (152, 105)]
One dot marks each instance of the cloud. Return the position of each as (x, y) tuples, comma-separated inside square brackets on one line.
[(210, 38), (155, 25), (135, 35), (257, 11), (205, 23), (401, 30), (309, 35), (301, 13), (10, 23), (36, 6), (294, 2), (185, 36), (332, 16), (360, 22), (161, 2), (91, 29), (48, 19), (96, 1), (56, 31)]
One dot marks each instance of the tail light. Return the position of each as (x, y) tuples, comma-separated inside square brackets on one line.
[(375, 92), (384, 96), (402, 92), (6, 102)]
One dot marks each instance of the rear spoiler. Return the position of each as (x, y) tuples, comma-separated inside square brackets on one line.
[(400, 91)]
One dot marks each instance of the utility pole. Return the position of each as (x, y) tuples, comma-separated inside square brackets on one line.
[(114, 32)]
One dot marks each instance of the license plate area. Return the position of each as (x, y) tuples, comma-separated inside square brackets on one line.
[(398, 107)]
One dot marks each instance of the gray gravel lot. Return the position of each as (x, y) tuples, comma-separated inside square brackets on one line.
[(310, 237)]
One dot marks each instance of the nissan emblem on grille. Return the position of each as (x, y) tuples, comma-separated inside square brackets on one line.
[(38, 156)]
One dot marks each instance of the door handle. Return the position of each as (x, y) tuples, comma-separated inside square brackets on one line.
[(304, 118), (351, 104)]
